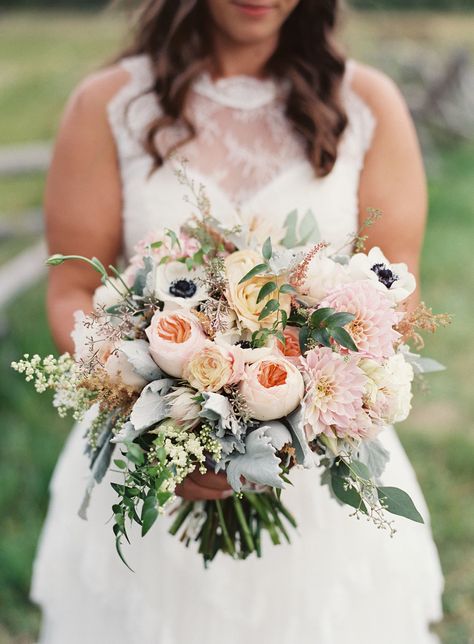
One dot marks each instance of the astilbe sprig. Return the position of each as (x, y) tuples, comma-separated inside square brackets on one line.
[(421, 318)]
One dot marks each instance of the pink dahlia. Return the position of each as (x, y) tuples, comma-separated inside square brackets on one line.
[(372, 328), (335, 387)]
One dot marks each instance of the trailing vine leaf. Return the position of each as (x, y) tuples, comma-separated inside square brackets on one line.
[(303, 338), (319, 316), (398, 502), (343, 338), (256, 270), (287, 289), (321, 336), (270, 307), (339, 319), (267, 250), (266, 289)]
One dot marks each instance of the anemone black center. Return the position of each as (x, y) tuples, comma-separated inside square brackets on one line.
[(183, 288), (245, 344), (385, 275)]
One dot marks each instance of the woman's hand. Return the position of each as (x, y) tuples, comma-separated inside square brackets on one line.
[(204, 487)]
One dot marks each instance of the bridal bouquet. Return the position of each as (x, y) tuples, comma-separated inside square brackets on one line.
[(208, 354)]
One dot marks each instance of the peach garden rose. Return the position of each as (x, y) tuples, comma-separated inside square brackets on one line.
[(174, 337), (273, 387)]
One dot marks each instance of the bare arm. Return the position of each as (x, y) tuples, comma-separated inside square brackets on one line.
[(393, 179), (82, 200)]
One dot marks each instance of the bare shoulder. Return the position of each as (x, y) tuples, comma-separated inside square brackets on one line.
[(90, 98), (379, 92)]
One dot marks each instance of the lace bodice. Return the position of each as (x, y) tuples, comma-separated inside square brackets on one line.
[(246, 154)]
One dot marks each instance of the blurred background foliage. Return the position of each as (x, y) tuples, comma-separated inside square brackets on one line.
[(43, 55)]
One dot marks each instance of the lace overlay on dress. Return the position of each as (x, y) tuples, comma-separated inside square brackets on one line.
[(240, 120)]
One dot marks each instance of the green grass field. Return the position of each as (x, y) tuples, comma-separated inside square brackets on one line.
[(42, 56)]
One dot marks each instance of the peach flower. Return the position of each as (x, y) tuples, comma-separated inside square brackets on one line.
[(174, 337), (213, 366), (273, 387)]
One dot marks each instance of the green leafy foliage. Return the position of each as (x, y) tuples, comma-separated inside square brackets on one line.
[(397, 501)]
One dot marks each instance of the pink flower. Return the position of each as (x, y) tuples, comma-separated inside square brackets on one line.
[(273, 387), (335, 387), (291, 349), (372, 329), (174, 337)]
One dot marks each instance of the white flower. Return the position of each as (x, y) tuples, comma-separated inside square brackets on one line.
[(393, 279), (183, 407), (175, 284), (324, 276), (111, 293), (121, 370), (388, 390)]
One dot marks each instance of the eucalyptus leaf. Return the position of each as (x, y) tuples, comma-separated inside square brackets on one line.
[(290, 239), (360, 469), (398, 502), (308, 229), (346, 494), (374, 455)]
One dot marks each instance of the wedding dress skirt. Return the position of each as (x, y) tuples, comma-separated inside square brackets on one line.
[(341, 579)]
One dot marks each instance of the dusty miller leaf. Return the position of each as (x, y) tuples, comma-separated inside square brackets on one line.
[(151, 407)]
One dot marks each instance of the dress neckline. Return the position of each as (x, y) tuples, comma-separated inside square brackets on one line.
[(239, 92)]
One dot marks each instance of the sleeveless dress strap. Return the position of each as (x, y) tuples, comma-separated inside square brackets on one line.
[(132, 108), (362, 121)]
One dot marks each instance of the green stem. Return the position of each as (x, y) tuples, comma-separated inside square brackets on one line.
[(225, 532), (182, 515), (243, 523)]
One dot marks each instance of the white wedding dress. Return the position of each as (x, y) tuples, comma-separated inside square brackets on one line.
[(341, 580)]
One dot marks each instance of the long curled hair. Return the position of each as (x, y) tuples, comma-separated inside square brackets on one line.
[(174, 34)]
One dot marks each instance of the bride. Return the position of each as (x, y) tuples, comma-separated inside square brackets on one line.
[(271, 118)]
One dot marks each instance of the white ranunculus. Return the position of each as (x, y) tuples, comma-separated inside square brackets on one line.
[(111, 293), (89, 339), (175, 284), (388, 389), (272, 388), (324, 275), (121, 370), (393, 279)]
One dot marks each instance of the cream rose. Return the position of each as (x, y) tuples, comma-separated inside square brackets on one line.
[(273, 387), (213, 366), (174, 337), (243, 297)]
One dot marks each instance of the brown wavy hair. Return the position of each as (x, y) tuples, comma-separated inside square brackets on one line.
[(174, 34)]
